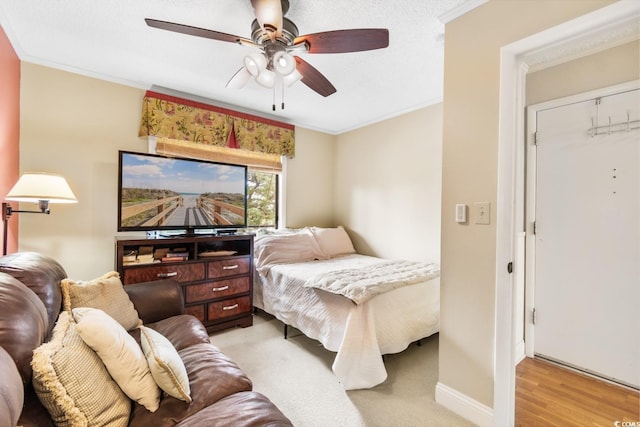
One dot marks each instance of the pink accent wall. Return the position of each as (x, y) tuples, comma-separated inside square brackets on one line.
[(9, 129)]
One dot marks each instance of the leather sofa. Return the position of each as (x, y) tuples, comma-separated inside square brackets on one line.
[(30, 303)]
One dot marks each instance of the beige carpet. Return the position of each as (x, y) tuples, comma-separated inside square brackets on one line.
[(296, 375)]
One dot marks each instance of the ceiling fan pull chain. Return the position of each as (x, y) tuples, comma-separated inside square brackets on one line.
[(273, 103), (282, 81)]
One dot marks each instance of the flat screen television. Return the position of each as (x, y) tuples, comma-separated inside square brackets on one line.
[(159, 193)]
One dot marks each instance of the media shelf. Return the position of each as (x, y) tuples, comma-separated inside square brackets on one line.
[(215, 273)]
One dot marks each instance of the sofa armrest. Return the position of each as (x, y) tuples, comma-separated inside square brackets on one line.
[(156, 300)]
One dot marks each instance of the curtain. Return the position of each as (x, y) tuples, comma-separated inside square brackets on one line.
[(187, 124)]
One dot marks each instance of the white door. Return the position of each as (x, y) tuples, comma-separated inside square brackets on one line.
[(587, 241)]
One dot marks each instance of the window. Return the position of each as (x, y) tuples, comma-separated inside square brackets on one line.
[(262, 194)]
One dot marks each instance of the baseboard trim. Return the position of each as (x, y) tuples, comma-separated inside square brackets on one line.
[(520, 353), (464, 406)]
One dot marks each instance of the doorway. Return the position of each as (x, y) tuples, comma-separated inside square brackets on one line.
[(514, 66), (585, 257)]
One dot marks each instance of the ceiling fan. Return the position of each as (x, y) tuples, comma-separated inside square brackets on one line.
[(278, 41)]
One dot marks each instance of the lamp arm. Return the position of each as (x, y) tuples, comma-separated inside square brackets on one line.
[(7, 210), (46, 211)]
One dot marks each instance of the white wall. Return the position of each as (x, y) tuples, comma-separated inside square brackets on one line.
[(75, 125), (388, 186)]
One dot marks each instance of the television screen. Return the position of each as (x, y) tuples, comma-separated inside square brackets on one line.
[(157, 193)]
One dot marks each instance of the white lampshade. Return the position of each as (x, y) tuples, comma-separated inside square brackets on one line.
[(255, 63), (34, 187), (291, 78), (239, 79), (284, 63), (266, 78)]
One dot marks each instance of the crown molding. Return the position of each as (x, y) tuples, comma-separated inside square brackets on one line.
[(605, 36), (463, 8)]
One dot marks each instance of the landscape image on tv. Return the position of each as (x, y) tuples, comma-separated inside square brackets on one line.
[(159, 192)]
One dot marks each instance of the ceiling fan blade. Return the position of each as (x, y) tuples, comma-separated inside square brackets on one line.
[(239, 79), (344, 41), (195, 31), (314, 78)]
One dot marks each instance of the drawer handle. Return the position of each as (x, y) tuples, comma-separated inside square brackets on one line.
[(230, 307), (230, 267), (165, 275), (221, 288)]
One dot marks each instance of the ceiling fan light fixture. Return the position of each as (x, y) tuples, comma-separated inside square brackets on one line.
[(284, 63), (266, 78), (255, 64), (291, 78), (239, 79), (272, 32)]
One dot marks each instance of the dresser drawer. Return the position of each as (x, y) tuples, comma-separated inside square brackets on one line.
[(214, 290), (181, 272), (229, 308), (228, 267)]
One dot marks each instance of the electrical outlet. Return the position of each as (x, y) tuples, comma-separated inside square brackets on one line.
[(483, 213)]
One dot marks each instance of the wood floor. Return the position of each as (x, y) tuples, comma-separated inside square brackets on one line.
[(549, 395)]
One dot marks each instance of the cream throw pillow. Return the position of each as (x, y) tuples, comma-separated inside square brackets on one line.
[(106, 293), (73, 384), (333, 241), (165, 363), (120, 353), (285, 248)]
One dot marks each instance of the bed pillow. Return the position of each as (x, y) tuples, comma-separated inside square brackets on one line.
[(165, 363), (106, 293), (333, 241), (285, 248), (73, 384), (120, 353)]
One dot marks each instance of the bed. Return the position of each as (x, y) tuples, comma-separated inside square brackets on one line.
[(359, 327)]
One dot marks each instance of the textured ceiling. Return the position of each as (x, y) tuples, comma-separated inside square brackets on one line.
[(109, 39)]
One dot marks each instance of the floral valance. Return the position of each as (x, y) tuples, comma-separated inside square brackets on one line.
[(175, 118)]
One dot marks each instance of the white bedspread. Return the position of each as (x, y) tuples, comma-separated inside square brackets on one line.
[(362, 284), (359, 334)]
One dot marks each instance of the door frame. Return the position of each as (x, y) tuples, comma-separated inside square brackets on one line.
[(512, 103), (531, 173)]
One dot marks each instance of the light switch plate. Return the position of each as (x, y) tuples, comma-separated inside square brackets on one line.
[(482, 213), (461, 213)]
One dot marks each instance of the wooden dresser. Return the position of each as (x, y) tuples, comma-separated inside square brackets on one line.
[(215, 272)]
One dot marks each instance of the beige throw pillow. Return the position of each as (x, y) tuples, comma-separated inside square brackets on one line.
[(333, 241), (120, 353), (106, 293), (73, 383), (165, 363), (285, 248)]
